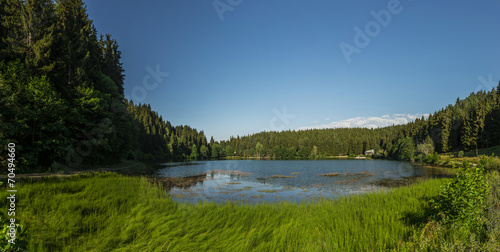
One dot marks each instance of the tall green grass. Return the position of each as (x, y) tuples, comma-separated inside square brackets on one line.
[(109, 212)]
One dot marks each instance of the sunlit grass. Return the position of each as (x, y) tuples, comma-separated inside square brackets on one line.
[(111, 212)]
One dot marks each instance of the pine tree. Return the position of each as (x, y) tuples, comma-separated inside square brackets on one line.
[(445, 133), (111, 61), (3, 30), (73, 29), (13, 37)]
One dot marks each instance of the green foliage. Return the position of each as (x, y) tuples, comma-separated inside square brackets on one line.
[(259, 148), (447, 160), (204, 152), (492, 222), (490, 162), (229, 150), (32, 116), (432, 159), (194, 153), (217, 151), (440, 236), (460, 154), (427, 147), (55, 96), (403, 149), (463, 198), (159, 138), (419, 158)]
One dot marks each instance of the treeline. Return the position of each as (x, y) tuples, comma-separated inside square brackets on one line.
[(469, 124), (159, 140), (61, 94)]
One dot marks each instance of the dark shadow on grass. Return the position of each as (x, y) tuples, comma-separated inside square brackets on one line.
[(420, 218)]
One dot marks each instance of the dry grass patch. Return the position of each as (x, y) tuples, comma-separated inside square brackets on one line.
[(332, 174)]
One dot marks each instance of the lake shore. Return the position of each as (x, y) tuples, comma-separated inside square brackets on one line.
[(108, 211)]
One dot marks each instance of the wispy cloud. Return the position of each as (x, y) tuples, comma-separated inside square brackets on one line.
[(369, 122)]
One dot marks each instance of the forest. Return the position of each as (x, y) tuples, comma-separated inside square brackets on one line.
[(469, 124), (62, 97), (62, 104)]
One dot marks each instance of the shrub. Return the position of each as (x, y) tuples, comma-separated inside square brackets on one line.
[(463, 198), (490, 162), (418, 158), (447, 160), (460, 154), (432, 158)]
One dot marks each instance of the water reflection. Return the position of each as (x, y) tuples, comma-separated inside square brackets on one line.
[(253, 181)]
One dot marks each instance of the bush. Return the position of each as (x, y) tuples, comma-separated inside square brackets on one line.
[(447, 160), (432, 159), (419, 158), (490, 163), (463, 198), (460, 154)]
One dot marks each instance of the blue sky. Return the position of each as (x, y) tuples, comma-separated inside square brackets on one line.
[(248, 66)]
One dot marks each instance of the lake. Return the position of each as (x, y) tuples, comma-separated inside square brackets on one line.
[(252, 181)]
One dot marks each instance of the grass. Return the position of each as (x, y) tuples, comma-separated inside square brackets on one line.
[(110, 212)]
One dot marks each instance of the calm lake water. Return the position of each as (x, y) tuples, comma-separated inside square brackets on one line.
[(251, 181)]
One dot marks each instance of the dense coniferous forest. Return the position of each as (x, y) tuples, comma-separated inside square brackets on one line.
[(62, 104), (469, 124), (62, 97)]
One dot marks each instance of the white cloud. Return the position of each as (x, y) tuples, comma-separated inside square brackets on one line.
[(369, 122)]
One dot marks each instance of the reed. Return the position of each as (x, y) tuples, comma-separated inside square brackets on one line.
[(105, 212)]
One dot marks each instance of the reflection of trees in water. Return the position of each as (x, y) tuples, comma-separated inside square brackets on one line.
[(418, 176), (182, 182), (190, 181)]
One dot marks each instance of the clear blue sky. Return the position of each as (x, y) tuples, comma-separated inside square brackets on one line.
[(234, 72)]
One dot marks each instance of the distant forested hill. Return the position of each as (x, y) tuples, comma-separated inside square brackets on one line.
[(471, 123)]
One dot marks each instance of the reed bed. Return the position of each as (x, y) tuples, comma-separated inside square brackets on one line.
[(109, 212)]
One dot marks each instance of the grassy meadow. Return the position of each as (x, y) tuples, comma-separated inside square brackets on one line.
[(107, 211)]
